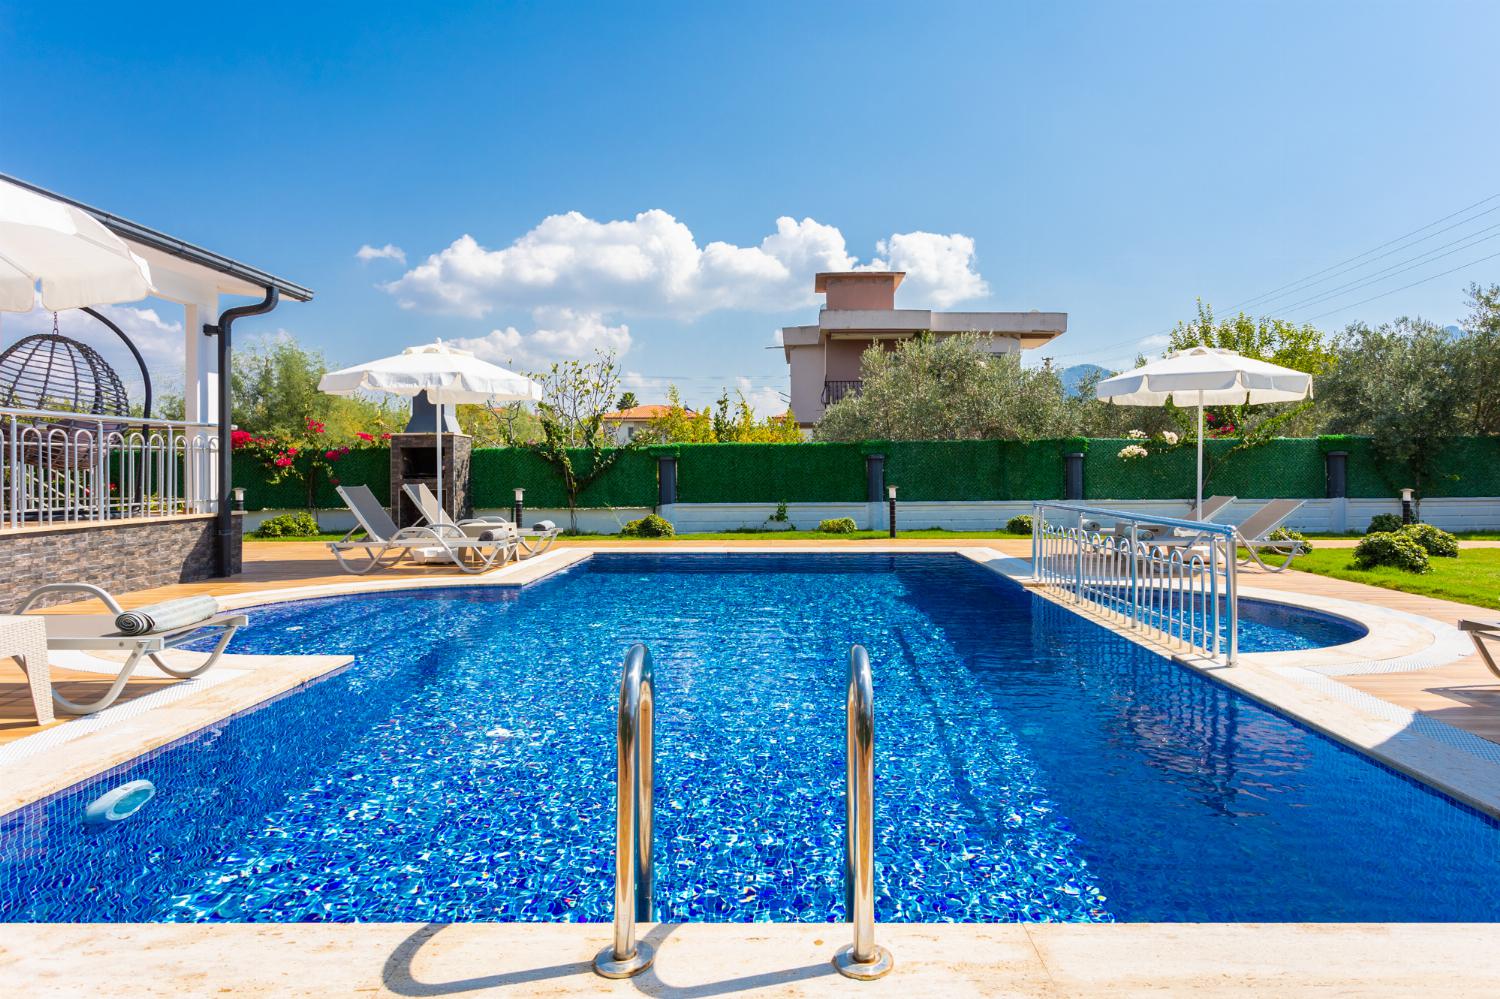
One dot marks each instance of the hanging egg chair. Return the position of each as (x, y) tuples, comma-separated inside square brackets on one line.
[(49, 371)]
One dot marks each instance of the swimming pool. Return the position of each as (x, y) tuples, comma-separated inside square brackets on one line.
[(1030, 765)]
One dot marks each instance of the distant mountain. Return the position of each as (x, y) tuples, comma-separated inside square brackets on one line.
[(1075, 375), (1454, 332)]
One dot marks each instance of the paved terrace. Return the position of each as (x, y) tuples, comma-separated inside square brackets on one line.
[(1463, 694)]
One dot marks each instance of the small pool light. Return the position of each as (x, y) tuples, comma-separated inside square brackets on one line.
[(118, 804)]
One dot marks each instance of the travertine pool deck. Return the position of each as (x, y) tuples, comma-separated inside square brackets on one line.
[(703, 960)]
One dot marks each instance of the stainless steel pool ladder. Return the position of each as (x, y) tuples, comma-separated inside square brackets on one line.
[(863, 959), (635, 776), (634, 788)]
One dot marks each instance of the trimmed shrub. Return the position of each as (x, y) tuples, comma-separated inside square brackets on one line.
[(1392, 549), (1287, 534), (1434, 540), (649, 526), (288, 525), (840, 525), (1384, 523), (1019, 524)]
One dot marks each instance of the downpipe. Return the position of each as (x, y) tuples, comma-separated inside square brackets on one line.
[(224, 517)]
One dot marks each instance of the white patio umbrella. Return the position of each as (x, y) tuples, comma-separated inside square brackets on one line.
[(1206, 376), (449, 376), (67, 251)]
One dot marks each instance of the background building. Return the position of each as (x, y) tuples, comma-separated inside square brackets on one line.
[(860, 310)]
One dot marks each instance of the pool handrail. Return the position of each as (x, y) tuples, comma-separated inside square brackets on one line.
[(635, 777), (863, 960), (1093, 555)]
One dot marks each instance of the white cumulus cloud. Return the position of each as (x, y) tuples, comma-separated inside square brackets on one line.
[(389, 251), (653, 265), (560, 333), (940, 270)]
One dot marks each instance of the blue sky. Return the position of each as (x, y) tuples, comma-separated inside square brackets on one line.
[(1111, 161)]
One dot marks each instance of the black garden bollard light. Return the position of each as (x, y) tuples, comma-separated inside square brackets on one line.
[(518, 507), (890, 492), (1408, 512)]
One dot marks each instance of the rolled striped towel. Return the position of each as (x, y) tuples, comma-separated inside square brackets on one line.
[(544, 525), (505, 533), (167, 615)]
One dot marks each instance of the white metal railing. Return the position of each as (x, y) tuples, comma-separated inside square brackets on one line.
[(58, 467), (1172, 579)]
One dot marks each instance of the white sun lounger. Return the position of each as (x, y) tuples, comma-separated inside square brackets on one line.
[(1145, 530), (100, 633), (531, 540), (384, 544), (1211, 506), (1254, 535), (1481, 633)]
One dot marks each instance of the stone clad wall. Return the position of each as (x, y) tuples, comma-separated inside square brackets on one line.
[(131, 555)]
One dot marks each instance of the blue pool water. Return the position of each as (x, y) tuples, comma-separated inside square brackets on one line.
[(1030, 766)]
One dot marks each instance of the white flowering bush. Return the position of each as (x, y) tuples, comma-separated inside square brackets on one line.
[(1169, 437), (1132, 451), (1138, 435)]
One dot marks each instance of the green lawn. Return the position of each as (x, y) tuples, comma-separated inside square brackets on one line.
[(1472, 578)]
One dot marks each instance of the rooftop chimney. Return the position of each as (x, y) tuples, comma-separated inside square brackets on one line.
[(866, 290)]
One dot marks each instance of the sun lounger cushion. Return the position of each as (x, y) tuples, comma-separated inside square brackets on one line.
[(167, 615)]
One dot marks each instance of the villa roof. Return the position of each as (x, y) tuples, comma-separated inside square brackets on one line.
[(152, 239)]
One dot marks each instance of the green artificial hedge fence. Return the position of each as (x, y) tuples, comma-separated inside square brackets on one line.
[(974, 470), (922, 470), (498, 471), (365, 466), (1468, 466), (770, 473), (1291, 467)]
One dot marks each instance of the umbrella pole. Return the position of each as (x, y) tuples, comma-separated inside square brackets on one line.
[(1200, 456)]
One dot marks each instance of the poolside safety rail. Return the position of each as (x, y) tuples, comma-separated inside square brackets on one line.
[(635, 777), (863, 959), (1173, 580), (59, 467)]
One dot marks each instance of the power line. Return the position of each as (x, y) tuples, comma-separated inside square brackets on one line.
[(1350, 270), (1432, 277), (1301, 284), (1397, 268), (1359, 256)]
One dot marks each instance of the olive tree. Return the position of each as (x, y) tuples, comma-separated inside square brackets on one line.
[(949, 388), (1401, 384)]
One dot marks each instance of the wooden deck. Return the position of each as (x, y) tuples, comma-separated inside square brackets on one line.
[(1463, 694)]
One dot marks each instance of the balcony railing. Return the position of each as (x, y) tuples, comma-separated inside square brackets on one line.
[(833, 391), (58, 467)]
